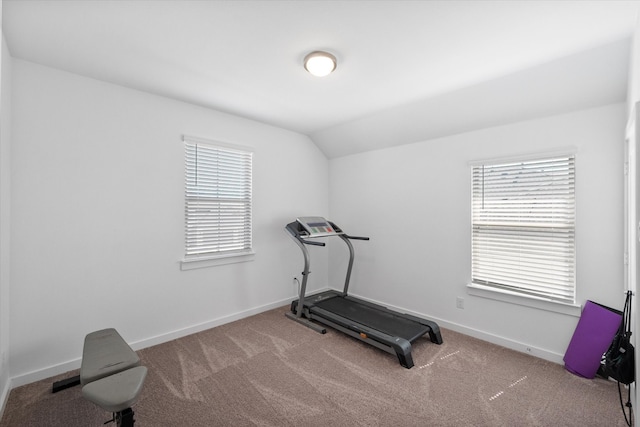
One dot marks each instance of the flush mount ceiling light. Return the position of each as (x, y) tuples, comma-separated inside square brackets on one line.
[(320, 63)]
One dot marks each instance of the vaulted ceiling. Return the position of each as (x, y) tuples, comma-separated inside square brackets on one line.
[(407, 70)]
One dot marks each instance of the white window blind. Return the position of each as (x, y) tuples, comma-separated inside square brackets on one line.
[(523, 220), (217, 200)]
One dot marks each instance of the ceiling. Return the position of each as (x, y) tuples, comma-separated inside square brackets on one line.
[(407, 70)]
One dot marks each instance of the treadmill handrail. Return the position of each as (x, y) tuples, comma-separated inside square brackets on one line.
[(355, 237), (301, 237)]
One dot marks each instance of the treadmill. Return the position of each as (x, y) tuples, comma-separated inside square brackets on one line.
[(374, 324)]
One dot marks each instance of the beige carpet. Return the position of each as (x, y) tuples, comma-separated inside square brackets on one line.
[(269, 371)]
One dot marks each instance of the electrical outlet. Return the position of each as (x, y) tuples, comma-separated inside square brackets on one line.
[(460, 302), (528, 350)]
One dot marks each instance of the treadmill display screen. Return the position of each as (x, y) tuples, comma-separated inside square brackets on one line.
[(317, 226)]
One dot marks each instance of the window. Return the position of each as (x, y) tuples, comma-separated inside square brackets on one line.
[(523, 221), (217, 200)]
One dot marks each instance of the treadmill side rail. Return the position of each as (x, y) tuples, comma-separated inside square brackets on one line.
[(434, 333), (306, 322), (394, 345)]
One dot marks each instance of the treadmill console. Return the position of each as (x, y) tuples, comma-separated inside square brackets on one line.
[(317, 226)]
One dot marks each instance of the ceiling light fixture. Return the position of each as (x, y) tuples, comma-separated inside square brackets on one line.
[(320, 63)]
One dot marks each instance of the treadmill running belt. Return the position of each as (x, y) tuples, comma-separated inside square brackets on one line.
[(383, 321)]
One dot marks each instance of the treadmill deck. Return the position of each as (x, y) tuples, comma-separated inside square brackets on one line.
[(381, 319)]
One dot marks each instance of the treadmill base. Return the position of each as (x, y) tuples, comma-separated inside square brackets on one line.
[(374, 324)]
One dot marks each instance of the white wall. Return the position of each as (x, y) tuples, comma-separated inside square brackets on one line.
[(96, 191), (414, 203), (97, 218), (633, 83), (5, 211), (633, 189)]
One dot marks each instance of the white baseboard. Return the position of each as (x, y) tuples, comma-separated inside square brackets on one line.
[(179, 333), (501, 341), (4, 396), (484, 336), (61, 368)]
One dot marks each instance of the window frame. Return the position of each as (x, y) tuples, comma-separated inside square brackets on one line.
[(239, 191), (511, 295)]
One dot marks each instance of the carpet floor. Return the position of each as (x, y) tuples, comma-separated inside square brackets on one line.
[(266, 370)]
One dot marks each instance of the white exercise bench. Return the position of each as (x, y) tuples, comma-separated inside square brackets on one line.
[(110, 375)]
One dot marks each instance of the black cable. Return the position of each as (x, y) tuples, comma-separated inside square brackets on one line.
[(628, 405), (626, 326)]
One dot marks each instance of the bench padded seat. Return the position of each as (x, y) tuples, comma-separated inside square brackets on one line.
[(116, 392), (105, 353)]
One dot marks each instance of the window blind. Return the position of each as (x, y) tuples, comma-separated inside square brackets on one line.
[(523, 220), (217, 200)]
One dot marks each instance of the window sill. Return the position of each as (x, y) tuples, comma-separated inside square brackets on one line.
[(513, 298), (213, 261)]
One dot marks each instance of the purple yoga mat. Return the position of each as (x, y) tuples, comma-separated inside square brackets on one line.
[(593, 336)]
